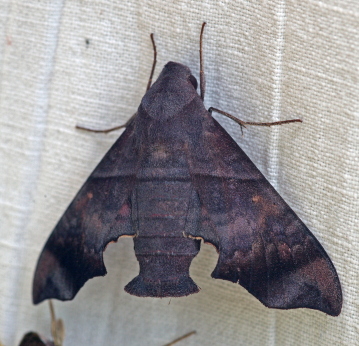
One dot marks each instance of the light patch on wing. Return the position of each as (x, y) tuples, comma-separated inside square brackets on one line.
[(266, 206), (284, 251), (82, 202), (160, 153), (200, 238), (125, 210), (256, 199)]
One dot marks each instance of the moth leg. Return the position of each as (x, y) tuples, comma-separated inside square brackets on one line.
[(108, 130), (244, 123)]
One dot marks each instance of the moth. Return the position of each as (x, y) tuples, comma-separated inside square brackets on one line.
[(176, 177), (34, 339), (57, 332)]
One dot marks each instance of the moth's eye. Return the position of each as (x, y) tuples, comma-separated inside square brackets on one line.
[(193, 81)]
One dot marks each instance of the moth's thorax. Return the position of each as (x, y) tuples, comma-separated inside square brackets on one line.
[(174, 89)]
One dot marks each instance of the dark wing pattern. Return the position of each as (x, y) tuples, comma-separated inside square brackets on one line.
[(33, 339), (99, 214), (262, 243)]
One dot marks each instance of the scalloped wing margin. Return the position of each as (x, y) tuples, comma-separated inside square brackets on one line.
[(99, 214), (262, 244)]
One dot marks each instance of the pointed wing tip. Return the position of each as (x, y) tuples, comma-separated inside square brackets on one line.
[(37, 299), (52, 288), (336, 304), (57, 279), (51, 280), (335, 311), (331, 306), (325, 299)]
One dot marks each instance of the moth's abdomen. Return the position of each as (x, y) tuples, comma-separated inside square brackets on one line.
[(164, 253)]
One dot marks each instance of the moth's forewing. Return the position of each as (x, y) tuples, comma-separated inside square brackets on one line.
[(262, 243), (99, 214)]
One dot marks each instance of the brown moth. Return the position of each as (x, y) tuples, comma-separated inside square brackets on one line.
[(173, 178), (57, 332), (34, 339)]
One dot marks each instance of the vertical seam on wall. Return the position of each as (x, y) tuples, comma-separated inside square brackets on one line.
[(273, 167), (6, 14), (40, 113), (277, 94)]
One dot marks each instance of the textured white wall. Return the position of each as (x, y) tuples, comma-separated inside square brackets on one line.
[(265, 61)]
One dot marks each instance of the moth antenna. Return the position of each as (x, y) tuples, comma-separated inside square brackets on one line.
[(148, 86), (202, 80), (154, 61), (243, 124), (181, 338)]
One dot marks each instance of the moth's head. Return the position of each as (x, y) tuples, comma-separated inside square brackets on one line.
[(174, 71), (173, 90)]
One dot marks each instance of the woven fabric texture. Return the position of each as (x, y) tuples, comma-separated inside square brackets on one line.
[(64, 63)]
